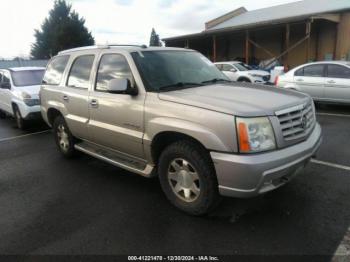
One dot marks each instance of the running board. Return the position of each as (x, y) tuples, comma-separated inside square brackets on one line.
[(117, 159)]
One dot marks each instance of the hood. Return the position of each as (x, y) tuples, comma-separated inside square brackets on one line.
[(237, 99), (31, 90), (256, 72)]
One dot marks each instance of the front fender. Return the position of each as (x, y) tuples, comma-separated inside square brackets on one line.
[(207, 137)]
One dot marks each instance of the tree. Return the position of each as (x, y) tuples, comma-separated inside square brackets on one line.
[(154, 40), (63, 29)]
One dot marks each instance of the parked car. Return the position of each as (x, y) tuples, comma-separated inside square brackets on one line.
[(170, 112), (327, 81), (240, 72), (19, 93)]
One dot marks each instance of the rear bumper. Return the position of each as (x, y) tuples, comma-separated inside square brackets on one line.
[(250, 175)]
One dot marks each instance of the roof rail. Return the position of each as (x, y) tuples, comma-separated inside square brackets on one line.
[(96, 47)]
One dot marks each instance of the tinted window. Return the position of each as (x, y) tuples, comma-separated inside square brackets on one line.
[(55, 69), (27, 77), (337, 71), (314, 70), (6, 77), (243, 67), (227, 67), (79, 75), (0, 77), (219, 66), (165, 68), (299, 72), (112, 66)]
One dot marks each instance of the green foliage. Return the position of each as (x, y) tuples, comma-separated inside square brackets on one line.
[(154, 40), (63, 29)]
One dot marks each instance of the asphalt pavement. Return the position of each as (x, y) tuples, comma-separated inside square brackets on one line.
[(53, 206)]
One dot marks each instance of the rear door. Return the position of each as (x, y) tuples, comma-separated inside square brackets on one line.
[(310, 79), (75, 94), (337, 85), (116, 120)]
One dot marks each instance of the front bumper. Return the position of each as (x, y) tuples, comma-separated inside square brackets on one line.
[(245, 176)]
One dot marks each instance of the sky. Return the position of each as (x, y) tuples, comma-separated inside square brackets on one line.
[(116, 21)]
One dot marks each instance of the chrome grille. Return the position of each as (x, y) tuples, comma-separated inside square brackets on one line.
[(297, 122)]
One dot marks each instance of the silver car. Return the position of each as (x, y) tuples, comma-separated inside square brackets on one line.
[(327, 81), (170, 112)]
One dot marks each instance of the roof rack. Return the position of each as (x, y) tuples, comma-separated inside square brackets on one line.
[(98, 47)]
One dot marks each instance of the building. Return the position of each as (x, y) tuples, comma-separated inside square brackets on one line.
[(294, 33), (4, 64)]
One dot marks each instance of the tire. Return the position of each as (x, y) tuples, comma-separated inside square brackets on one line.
[(187, 177), (244, 80), (64, 139), (20, 122)]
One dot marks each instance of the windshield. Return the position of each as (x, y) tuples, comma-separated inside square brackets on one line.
[(243, 67), (163, 70), (27, 77)]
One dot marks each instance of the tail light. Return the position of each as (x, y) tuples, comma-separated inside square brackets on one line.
[(276, 80)]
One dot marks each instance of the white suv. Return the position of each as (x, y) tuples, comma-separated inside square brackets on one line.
[(240, 72), (19, 93)]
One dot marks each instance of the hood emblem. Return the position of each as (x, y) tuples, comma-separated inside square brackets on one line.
[(303, 120)]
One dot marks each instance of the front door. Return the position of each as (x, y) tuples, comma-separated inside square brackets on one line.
[(337, 86), (116, 120)]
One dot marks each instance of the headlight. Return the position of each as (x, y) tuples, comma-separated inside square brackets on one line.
[(255, 134), (31, 102)]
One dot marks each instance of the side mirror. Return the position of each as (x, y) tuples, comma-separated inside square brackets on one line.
[(121, 86), (233, 70), (6, 85)]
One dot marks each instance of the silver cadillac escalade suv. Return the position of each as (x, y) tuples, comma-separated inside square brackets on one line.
[(170, 112)]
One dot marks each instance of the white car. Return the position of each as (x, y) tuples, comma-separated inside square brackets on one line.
[(327, 81), (241, 72), (19, 93)]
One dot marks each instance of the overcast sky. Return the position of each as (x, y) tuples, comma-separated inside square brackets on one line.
[(116, 21)]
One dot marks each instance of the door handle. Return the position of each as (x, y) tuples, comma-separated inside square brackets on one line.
[(65, 98), (94, 103), (331, 82), (300, 80)]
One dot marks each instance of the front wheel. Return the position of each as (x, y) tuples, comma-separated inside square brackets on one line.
[(64, 139), (20, 122), (187, 177)]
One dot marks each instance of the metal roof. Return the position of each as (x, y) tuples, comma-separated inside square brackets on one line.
[(275, 15), (305, 8)]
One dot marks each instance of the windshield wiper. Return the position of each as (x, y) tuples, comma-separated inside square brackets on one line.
[(216, 80), (179, 85)]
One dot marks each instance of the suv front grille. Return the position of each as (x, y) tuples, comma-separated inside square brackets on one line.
[(296, 122)]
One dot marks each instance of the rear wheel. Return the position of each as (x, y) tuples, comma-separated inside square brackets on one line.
[(64, 139), (187, 177), (20, 122)]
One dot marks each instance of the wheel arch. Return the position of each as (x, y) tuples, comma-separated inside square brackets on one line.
[(52, 113)]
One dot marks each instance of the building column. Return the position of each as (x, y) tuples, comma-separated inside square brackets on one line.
[(214, 48), (247, 47)]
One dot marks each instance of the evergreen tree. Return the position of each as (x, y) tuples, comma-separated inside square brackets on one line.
[(154, 40), (63, 29)]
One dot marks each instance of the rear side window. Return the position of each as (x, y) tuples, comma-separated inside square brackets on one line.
[(314, 71), (219, 66), (227, 67), (79, 75), (299, 72), (112, 66), (55, 69), (337, 71)]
